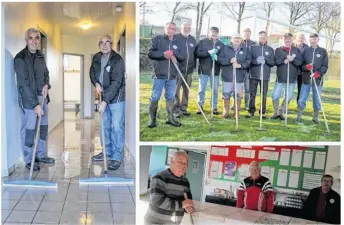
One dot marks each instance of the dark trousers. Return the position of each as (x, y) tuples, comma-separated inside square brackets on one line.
[(181, 103), (299, 83), (253, 92)]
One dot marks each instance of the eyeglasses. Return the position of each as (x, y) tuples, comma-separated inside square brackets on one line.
[(31, 38), (105, 43)]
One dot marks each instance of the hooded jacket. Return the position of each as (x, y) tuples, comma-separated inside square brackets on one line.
[(113, 77), (164, 68), (268, 53), (189, 64), (243, 58), (205, 61), (32, 75), (320, 64), (282, 68)]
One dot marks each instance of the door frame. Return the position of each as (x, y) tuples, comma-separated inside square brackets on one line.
[(82, 58)]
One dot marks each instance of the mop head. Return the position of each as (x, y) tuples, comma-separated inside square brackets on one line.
[(106, 181), (29, 184)]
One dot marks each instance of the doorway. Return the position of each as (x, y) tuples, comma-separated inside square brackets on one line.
[(73, 83), (121, 49)]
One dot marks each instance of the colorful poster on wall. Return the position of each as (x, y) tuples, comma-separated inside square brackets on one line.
[(230, 168)]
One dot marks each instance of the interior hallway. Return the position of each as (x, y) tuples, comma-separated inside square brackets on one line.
[(72, 144)]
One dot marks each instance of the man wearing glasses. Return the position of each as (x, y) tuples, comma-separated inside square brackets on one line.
[(33, 85), (107, 74), (323, 203), (167, 202)]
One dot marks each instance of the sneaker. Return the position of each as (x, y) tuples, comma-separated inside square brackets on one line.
[(35, 166), (114, 165), (45, 160), (100, 157)]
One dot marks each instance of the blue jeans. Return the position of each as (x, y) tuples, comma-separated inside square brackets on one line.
[(28, 130), (276, 94), (203, 81), (158, 85), (305, 89), (114, 118)]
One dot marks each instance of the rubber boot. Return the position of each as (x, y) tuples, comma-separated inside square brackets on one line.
[(225, 113), (315, 116), (275, 115), (170, 118), (298, 115), (153, 107)]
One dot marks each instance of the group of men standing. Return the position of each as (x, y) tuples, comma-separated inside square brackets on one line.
[(243, 65)]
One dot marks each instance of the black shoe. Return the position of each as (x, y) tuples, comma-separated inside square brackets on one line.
[(99, 157), (282, 117), (215, 112), (274, 117), (114, 165), (249, 115), (45, 160), (264, 117), (35, 166), (177, 115), (186, 113), (199, 112)]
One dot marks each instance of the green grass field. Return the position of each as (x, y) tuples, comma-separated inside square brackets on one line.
[(195, 128)]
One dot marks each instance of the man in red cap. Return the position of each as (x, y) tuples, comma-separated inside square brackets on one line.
[(315, 65)]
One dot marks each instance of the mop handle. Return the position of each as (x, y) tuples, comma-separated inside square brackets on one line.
[(187, 86), (322, 107), (191, 219), (286, 98), (312, 70), (235, 97), (261, 91), (212, 85), (103, 137), (36, 140)]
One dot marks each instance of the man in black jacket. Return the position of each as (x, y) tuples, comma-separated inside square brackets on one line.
[(262, 56), (187, 68), (323, 203), (163, 49), (285, 55), (315, 64), (302, 46), (33, 85), (207, 51), (107, 74)]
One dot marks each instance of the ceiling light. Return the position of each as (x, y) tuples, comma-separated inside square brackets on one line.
[(85, 25)]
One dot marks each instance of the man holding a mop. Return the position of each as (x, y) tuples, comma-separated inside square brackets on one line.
[(33, 85), (107, 74), (162, 49), (287, 59), (207, 51), (315, 65), (262, 55)]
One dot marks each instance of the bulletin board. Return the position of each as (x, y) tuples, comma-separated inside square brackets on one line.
[(289, 167)]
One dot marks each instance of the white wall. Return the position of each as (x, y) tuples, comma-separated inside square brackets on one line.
[(126, 19), (13, 35)]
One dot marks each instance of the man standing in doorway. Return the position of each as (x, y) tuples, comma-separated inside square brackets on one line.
[(163, 49), (167, 203), (323, 203), (33, 85), (207, 51), (107, 74), (187, 68), (255, 192)]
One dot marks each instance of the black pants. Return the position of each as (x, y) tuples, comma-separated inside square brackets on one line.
[(253, 92), (299, 83)]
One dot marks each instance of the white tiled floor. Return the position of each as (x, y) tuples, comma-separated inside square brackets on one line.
[(72, 144)]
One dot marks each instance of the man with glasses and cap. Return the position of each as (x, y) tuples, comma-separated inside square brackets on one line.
[(33, 85), (107, 74)]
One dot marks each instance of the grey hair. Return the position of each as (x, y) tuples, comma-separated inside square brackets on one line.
[(178, 153), (185, 23), (31, 30), (105, 36)]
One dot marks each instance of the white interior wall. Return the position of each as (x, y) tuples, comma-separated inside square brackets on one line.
[(126, 20), (13, 38), (72, 86)]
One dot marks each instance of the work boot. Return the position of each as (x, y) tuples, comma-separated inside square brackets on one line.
[(114, 165), (298, 115), (225, 113), (275, 115), (35, 166), (48, 160), (99, 157), (186, 113), (282, 116), (315, 116), (153, 107), (170, 118), (215, 112)]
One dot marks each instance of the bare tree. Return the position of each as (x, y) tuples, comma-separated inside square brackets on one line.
[(268, 7), (320, 16), (178, 8), (201, 9), (333, 27), (298, 12), (236, 11)]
